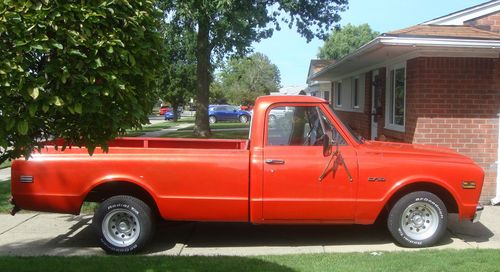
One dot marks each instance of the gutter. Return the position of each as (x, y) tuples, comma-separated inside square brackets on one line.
[(496, 199), (411, 41)]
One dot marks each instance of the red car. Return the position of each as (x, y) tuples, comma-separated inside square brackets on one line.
[(164, 109), (303, 167)]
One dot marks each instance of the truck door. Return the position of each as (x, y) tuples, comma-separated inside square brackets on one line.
[(294, 161)]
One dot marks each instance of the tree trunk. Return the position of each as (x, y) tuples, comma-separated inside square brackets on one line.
[(201, 127), (175, 112)]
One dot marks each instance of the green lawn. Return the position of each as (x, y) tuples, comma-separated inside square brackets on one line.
[(224, 125), (426, 260), (4, 197), (6, 164), (227, 134)]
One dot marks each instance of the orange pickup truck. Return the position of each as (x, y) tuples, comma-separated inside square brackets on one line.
[(302, 167)]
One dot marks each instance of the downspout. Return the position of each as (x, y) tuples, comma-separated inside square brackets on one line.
[(496, 199)]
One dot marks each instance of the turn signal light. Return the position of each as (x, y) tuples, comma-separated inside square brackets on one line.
[(469, 184)]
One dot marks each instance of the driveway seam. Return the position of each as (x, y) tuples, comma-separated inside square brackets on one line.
[(20, 223), (187, 239)]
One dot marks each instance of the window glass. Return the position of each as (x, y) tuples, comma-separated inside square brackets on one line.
[(397, 95), (299, 126), (339, 94), (355, 92)]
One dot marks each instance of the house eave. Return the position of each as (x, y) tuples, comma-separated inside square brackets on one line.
[(389, 46)]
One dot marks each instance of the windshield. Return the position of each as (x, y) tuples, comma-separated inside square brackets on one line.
[(357, 138)]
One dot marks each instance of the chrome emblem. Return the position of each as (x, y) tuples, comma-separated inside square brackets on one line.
[(376, 179)]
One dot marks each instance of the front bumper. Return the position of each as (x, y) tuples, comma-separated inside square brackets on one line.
[(477, 215)]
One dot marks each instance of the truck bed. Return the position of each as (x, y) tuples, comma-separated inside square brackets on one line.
[(138, 142), (189, 179)]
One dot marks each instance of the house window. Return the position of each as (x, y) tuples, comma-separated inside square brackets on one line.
[(397, 93), (313, 93), (326, 95), (355, 93), (338, 94)]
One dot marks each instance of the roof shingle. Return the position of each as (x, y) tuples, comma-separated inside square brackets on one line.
[(466, 32)]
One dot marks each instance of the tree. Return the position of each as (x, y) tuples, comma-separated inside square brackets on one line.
[(84, 71), (225, 27), (244, 79), (345, 40), (179, 74)]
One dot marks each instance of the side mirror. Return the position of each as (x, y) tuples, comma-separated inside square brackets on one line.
[(327, 145)]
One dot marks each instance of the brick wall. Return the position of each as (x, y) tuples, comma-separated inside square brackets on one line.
[(454, 102), (490, 22)]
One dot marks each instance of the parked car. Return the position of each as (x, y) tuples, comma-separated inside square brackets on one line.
[(164, 109), (169, 114), (311, 171), (218, 113)]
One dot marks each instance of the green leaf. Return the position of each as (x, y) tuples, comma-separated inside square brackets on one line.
[(77, 53), (45, 108), (37, 47), (32, 109), (9, 124), (78, 108), (57, 101), (22, 127), (34, 92), (58, 45)]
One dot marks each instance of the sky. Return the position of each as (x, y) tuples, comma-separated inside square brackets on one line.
[(292, 54)]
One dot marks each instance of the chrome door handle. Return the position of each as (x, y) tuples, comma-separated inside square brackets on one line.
[(271, 161)]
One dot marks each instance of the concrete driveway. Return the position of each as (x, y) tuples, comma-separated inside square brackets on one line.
[(53, 234)]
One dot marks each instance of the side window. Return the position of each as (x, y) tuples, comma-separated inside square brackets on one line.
[(299, 126)]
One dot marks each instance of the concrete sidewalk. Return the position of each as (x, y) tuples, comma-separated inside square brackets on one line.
[(52, 234), (4, 174)]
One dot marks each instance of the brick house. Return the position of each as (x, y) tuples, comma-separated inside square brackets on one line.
[(435, 83)]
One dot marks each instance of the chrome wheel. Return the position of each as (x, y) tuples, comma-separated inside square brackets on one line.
[(243, 119), (212, 119), (121, 227), (420, 221)]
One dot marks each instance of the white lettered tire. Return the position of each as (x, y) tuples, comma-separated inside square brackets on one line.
[(418, 219), (123, 224)]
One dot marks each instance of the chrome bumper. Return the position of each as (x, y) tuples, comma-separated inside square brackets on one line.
[(477, 215)]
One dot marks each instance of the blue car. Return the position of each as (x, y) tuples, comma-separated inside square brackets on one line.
[(218, 113), (169, 115)]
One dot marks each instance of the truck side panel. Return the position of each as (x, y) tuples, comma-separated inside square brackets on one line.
[(187, 184)]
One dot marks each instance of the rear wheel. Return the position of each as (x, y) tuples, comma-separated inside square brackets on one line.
[(212, 119), (123, 224), (418, 219), (243, 119)]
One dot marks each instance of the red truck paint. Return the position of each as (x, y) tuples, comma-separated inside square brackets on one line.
[(229, 180)]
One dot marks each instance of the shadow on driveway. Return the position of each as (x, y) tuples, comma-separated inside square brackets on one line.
[(174, 238)]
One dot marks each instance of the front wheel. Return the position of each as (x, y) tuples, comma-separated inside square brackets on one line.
[(123, 224), (212, 119), (243, 119), (418, 219)]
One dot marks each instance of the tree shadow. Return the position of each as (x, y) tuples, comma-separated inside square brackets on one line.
[(172, 238)]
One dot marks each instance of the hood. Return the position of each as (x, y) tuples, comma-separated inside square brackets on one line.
[(415, 151)]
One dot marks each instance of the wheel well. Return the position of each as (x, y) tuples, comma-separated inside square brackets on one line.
[(447, 198), (113, 188)]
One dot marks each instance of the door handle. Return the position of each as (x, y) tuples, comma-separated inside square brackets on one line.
[(272, 161)]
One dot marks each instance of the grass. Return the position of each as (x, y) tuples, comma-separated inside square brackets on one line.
[(158, 127), (5, 164), (223, 125), (425, 260), (5, 206), (227, 134)]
